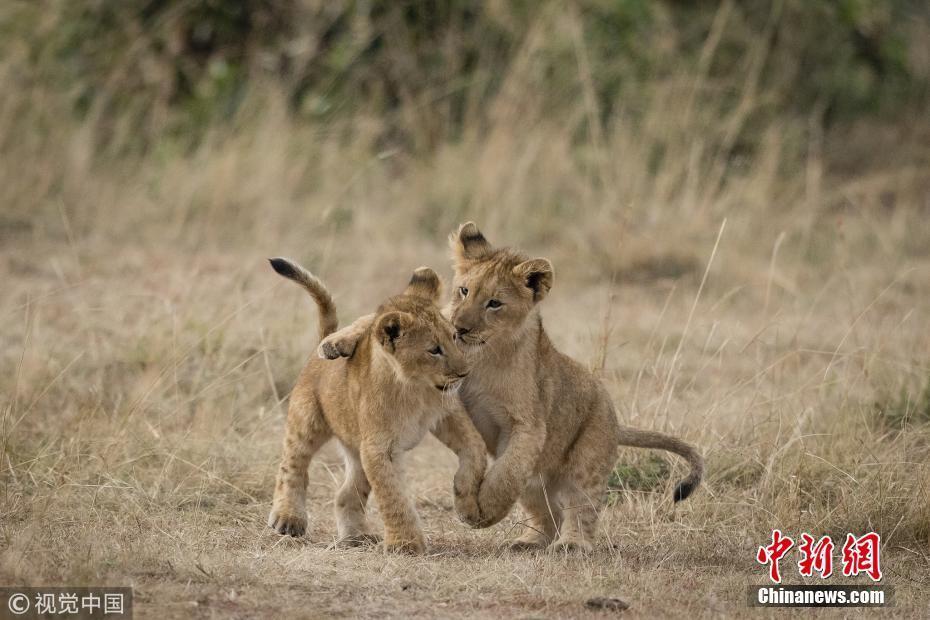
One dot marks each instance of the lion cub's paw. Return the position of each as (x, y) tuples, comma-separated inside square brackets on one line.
[(521, 546), (571, 546), (414, 546), (358, 540), (467, 510), (493, 505), (287, 524), (532, 541), (333, 347)]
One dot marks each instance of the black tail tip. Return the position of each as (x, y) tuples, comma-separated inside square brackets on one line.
[(683, 490), (283, 267)]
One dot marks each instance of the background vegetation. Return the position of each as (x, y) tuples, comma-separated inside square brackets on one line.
[(735, 196)]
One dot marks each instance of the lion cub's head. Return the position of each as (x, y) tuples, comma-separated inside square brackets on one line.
[(495, 290), (416, 339)]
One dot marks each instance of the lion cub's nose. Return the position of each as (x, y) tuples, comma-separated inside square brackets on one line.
[(461, 331)]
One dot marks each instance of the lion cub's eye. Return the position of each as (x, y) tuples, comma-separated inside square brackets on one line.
[(463, 291), (493, 304), (437, 351)]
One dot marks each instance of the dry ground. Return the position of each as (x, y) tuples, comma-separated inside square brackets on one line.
[(146, 350), (144, 382)]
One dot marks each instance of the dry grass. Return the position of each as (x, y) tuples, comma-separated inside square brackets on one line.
[(147, 350)]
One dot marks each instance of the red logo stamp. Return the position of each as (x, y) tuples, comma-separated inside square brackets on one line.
[(859, 555), (773, 553), (816, 557)]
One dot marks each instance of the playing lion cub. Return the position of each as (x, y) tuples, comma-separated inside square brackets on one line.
[(400, 382), (546, 419)]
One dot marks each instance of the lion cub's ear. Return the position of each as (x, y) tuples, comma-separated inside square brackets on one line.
[(468, 243), (537, 275), (391, 326), (425, 283)]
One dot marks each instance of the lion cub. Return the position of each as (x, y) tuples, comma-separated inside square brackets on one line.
[(547, 420), (400, 382)]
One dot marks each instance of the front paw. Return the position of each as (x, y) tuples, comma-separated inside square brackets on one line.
[(333, 348), (493, 504), (571, 546), (412, 545), (467, 510), (361, 539), (465, 488), (287, 523), (532, 542)]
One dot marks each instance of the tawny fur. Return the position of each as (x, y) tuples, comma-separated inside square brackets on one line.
[(546, 419), (400, 383)]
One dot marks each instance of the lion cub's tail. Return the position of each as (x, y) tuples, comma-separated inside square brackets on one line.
[(324, 301), (653, 439)]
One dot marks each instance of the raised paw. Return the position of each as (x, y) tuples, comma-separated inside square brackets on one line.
[(467, 510), (333, 348), (493, 505), (287, 524), (358, 540)]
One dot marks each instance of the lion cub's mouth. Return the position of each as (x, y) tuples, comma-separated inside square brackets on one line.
[(450, 386), (470, 341)]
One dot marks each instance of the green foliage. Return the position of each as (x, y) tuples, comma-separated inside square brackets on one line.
[(179, 66), (649, 475)]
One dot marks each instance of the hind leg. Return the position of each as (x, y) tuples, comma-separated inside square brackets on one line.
[(351, 522), (540, 503), (583, 487), (305, 434)]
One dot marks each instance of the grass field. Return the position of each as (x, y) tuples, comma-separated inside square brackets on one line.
[(147, 350)]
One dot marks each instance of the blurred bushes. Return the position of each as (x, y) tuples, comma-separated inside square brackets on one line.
[(146, 69)]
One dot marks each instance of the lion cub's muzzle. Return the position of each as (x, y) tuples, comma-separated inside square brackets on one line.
[(471, 340), (452, 384)]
